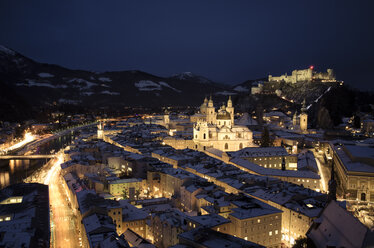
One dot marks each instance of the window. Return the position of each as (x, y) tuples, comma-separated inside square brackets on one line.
[(226, 146), (270, 233), (7, 218), (258, 220), (276, 231)]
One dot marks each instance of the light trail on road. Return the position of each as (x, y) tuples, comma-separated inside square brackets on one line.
[(63, 231), (323, 181), (28, 137)]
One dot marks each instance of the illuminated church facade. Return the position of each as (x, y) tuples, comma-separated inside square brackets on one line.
[(216, 129)]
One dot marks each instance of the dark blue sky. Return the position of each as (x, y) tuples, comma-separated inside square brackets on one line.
[(226, 41)]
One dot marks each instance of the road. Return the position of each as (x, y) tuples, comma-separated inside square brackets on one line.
[(64, 233), (323, 171), (63, 224)]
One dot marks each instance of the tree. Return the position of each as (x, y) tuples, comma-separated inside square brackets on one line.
[(356, 121), (303, 243), (265, 138), (125, 194), (137, 193)]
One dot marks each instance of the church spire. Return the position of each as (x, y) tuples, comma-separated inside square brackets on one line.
[(229, 102), (210, 103)]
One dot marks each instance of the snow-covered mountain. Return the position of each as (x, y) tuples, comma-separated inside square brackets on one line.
[(44, 84)]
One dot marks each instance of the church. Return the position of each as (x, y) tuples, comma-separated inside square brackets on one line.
[(217, 129)]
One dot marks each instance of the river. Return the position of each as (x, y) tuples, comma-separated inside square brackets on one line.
[(15, 170)]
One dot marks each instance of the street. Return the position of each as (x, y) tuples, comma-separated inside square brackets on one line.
[(324, 171), (63, 222), (63, 226)]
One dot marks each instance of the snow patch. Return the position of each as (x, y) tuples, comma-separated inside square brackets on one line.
[(6, 50), (188, 75), (310, 105), (83, 81), (68, 101), (87, 93), (241, 89), (147, 85), (105, 79), (226, 93), (167, 85), (31, 83), (110, 93), (45, 75)]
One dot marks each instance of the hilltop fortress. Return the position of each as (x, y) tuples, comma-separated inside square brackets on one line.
[(306, 75)]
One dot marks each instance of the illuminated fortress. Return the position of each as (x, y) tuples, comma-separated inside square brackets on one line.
[(306, 75)]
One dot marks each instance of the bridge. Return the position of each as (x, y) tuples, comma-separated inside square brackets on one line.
[(26, 156)]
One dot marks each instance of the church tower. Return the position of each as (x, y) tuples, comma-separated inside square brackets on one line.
[(294, 119), (303, 118), (230, 109), (211, 112), (100, 130)]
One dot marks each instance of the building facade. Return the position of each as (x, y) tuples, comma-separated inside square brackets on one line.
[(218, 130)]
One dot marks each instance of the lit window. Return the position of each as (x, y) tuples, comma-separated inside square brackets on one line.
[(276, 231), (270, 233), (7, 218), (246, 238), (258, 220)]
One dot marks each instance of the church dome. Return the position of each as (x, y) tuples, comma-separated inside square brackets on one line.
[(223, 115)]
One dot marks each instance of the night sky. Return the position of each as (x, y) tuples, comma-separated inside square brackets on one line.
[(226, 41)]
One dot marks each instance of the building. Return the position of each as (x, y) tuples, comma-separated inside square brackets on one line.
[(166, 226), (218, 130), (208, 238), (303, 118), (24, 216), (299, 207), (354, 167), (336, 227), (306, 75), (126, 216), (268, 157), (130, 186), (300, 122)]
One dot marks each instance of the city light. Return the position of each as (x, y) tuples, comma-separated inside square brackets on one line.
[(27, 138)]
